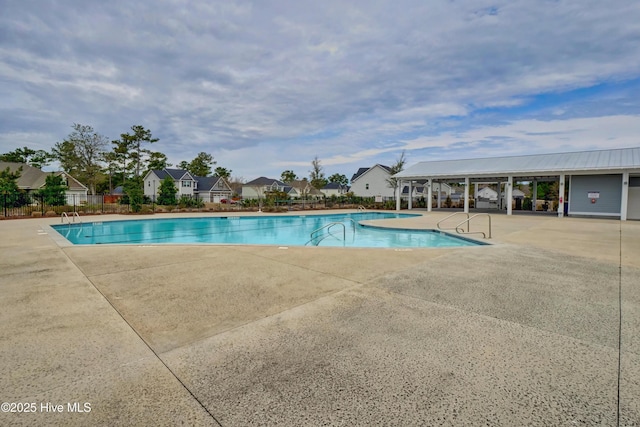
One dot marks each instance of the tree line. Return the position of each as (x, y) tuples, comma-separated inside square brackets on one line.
[(101, 164)]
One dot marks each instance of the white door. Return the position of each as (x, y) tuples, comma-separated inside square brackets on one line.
[(633, 204)]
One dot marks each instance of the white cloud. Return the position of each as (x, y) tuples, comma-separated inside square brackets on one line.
[(535, 136), (353, 83)]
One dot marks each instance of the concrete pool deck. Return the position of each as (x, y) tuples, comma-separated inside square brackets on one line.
[(523, 332)]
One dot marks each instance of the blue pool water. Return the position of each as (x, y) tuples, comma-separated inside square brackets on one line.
[(288, 230)]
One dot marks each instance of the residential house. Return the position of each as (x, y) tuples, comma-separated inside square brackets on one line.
[(516, 193), (372, 182), (487, 193), (420, 189), (212, 189), (185, 182), (334, 189), (302, 188), (33, 179), (207, 189), (259, 187)]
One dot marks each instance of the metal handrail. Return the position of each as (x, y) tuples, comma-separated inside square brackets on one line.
[(450, 216), (468, 220), (361, 208), (328, 227), (73, 218), (353, 222)]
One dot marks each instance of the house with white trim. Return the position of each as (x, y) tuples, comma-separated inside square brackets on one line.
[(185, 182), (33, 179), (259, 187), (212, 188), (372, 182), (207, 189), (487, 193), (419, 189), (302, 188), (334, 189)]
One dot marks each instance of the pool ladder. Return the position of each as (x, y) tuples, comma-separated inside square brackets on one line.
[(460, 227), (69, 220), (314, 236)]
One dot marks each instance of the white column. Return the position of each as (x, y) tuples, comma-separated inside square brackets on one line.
[(499, 195), (430, 194), (561, 197), (534, 196), (509, 198), (625, 196), (439, 196), (398, 194), (410, 202), (466, 195)]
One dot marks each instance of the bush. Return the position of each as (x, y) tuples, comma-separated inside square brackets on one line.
[(189, 202), (133, 188), (167, 192)]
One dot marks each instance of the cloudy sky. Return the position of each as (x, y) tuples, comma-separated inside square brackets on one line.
[(267, 85)]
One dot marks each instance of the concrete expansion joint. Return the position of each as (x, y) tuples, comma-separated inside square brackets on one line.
[(149, 347), (505, 321), (264, 318)]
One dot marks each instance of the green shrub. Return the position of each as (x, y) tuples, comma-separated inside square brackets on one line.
[(189, 202)]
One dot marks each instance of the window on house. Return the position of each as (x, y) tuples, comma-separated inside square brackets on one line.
[(149, 184), (366, 186), (186, 183)]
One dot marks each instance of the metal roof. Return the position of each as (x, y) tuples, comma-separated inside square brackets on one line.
[(601, 161)]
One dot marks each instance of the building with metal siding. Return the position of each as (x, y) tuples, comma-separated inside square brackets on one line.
[(596, 195), (609, 172)]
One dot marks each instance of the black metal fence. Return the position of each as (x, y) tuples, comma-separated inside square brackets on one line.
[(35, 205), (27, 205)]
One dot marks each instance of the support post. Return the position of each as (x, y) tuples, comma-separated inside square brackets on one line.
[(439, 195), (466, 195), (625, 196), (561, 197), (509, 198), (410, 202), (398, 194), (429, 194), (499, 195), (534, 196)]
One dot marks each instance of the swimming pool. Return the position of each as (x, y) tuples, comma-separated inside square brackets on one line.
[(286, 230)]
